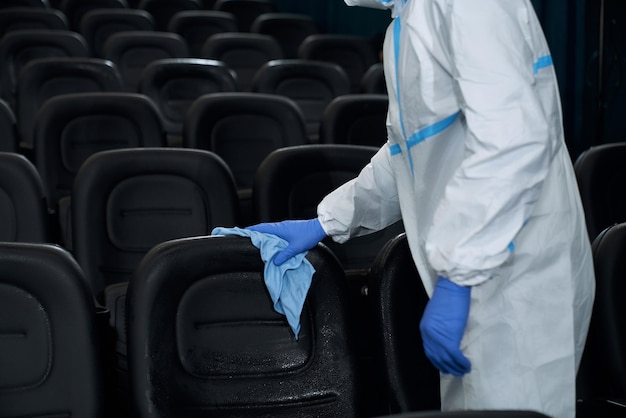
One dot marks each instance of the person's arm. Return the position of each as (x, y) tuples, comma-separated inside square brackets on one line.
[(363, 205), (508, 95)]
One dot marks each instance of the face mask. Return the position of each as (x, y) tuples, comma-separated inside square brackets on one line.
[(394, 5)]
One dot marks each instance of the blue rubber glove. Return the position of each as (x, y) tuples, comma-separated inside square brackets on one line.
[(300, 236), (442, 327)]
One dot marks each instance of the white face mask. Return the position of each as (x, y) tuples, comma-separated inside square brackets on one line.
[(394, 5)]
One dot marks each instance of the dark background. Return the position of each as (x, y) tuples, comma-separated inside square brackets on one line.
[(594, 107)]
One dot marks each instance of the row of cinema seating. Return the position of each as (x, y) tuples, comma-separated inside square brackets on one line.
[(173, 84), (39, 63), (114, 34), (203, 339), (243, 11), (133, 50), (242, 128)]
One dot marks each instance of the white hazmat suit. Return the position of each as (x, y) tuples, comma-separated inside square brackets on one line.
[(477, 168)]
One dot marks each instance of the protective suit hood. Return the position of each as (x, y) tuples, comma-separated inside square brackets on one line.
[(394, 5)]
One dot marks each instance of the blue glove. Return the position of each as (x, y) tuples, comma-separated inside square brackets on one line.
[(442, 327), (300, 236)]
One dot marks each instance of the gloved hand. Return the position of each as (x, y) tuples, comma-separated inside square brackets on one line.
[(300, 236), (442, 327)]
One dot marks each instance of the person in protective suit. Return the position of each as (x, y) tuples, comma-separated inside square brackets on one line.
[(477, 168)]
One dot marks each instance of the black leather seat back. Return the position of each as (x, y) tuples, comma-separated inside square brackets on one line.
[(127, 201), (289, 29), (71, 127), (311, 84), (23, 208), (76, 9), (204, 339), (601, 175), (163, 10), (196, 26), (174, 83), (398, 298), (354, 54), (19, 18), (244, 52), (243, 128), (245, 11), (44, 78), (17, 48), (9, 139), (98, 24), (133, 50), (602, 374), (357, 119), (49, 353)]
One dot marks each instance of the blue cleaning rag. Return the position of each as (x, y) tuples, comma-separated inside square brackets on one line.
[(288, 284)]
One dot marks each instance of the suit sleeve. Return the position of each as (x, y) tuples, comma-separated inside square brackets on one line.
[(363, 205)]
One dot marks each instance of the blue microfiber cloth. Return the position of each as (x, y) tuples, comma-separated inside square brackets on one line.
[(288, 284)]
